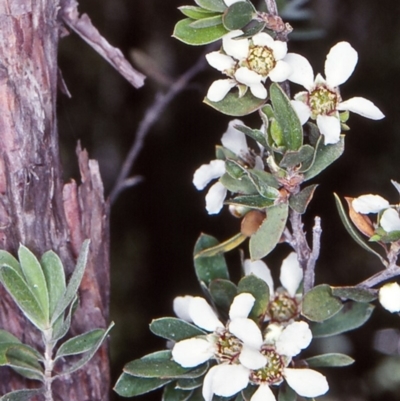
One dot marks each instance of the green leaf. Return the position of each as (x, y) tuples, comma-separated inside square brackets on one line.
[(189, 384), (196, 37), (256, 134), (329, 360), (6, 337), (270, 231), (131, 386), (357, 294), (238, 15), (222, 293), (34, 278), (300, 201), (196, 12), (287, 118), (286, 393), (251, 201), (252, 28), (352, 231), (80, 344), (352, 316), (19, 290), (89, 354), (260, 291), (325, 155), (219, 249), (6, 259), (61, 326), (174, 329), (207, 22), (74, 282), (234, 169), (22, 395), (53, 271), (209, 268), (233, 105), (319, 304), (294, 158), (267, 178), (163, 369), (242, 186), (212, 5), (172, 393)]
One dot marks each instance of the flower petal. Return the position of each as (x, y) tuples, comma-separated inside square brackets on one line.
[(251, 358), (192, 351), (263, 39), (219, 89), (203, 315), (207, 172), (247, 77), (389, 297), (302, 72), (215, 381), (241, 306), (215, 198), (247, 331), (302, 110), (263, 393), (306, 382), (180, 306), (291, 274), (279, 49), (280, 72), (230, 2), (258, 90), (234, 139), (261, 270), (369, 204), (330, 128), (340, 63), (363, 107), (390, 220), (294, 337), (237, 48), (220, 61)]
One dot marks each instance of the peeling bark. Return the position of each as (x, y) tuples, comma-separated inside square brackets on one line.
[(36, 209)]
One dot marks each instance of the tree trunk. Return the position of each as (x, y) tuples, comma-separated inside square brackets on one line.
[(36, 209)]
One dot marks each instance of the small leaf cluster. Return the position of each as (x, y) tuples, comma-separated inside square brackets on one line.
[(40, 290)]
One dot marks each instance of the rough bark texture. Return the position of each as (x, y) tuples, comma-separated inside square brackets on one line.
[(35, 208)]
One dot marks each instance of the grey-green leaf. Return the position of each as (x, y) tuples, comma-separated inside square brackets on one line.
[(294, 158), (300, 201), (256, 134), (23, 296), (238, 15), (74, 282), (34, 278), (242, 186), (251, 201), (329, 360), (212, 5), (222, 293), (352, 316), (287, 118), (174, 329), (53, 271), (22, 395), (286, 393), (172, 393), (206, 22), (9, 260), (6, 337), (270, 231), (80, 344), (196, 12), (209, 268), (357, 294), (319, 304), (131, 386)]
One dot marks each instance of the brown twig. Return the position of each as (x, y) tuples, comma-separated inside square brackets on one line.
[(82, 25), (152, 115)]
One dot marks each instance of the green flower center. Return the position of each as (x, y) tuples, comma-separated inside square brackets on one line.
[(261, 60), (228, 347), (283, 308), (272, 372), (323, 101)]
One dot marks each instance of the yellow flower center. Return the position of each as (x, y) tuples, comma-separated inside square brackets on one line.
[(283, 308), (228, 347), (323, 101), (261, 60), (272, 372)]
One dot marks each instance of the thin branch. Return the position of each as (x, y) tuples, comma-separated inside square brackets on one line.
[(380, 277), (309, 273), (272, 7), (85, 29), (152, 115)]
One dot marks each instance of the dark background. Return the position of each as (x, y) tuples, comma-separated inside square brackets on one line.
[(155, 224)]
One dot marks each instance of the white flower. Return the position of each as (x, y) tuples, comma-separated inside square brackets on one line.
[(322, 101), (389, 297), (249, 62), (390, 220), (235, 141), (285, 304), (287, 343), (235, 347), (366, 204)]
